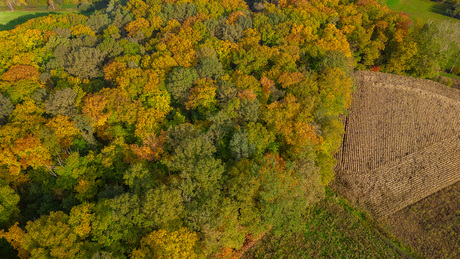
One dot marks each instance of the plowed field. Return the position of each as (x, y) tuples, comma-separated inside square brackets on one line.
[(401, 148), (402, 142)]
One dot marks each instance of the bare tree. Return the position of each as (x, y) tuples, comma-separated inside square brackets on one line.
[(11, 4), (51, 3)]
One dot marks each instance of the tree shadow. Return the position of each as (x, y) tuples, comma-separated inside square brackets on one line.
[(22, 19), (439, 8)]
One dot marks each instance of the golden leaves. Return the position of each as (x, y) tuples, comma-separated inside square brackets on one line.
[(64, 129), (232, 5), (202, 94), (287, 78), (233, 17), (244, 82), (18, 72), (301, 34), (80, 219), (133, 27), (31, 38), (182, 49), (168, 244), (267, 85), (149, 120), (151, 149), (15, 236), (30, 152), (94, 108), (334, 40), (113, 70), (79, 29)]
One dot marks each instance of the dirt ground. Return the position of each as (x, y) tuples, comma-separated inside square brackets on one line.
[(432, 225), (400, 160), (401, 144)]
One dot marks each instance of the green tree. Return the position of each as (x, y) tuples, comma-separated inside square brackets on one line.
[(9, 209), (210, 67), (180, 80), (51, 236), (200, 173), (162, 208), (84, 62), (84, 124), (98, 21), (178, 12), (428, 61), (116, 224), (240, 145), (281, 199)]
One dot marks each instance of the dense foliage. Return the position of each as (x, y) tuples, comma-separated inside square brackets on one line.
[(181, 129)]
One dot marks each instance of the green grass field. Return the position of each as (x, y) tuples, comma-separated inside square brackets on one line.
[(334, 229), (9, 20), (392, 3), (422, 9)]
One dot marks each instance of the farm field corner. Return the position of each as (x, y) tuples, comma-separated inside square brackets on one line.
[(399, 160), (432, 225)]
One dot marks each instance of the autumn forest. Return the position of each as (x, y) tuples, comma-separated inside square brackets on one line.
[(182, 128)]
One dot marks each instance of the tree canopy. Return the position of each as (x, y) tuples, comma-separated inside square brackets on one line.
[(182, 128)]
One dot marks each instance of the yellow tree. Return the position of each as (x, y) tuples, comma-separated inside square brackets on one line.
[(138, 7), (30, 152), (51, 236), (202, 94), (168, 244), (149, 120), (182, 49), (64, 129), (15, 236), (233, 5), (140, 24), (333, 40)]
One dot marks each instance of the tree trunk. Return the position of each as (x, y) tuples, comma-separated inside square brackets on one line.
[(455, 62), (10, 5)]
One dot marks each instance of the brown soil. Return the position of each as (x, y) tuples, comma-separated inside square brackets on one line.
[(456, 83), (401, 144), (432, 225), (400, 159)]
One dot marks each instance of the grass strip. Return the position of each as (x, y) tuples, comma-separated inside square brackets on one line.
[(333, 229)]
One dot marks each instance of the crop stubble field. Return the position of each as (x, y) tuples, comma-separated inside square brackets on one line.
[(402, 142), (402, 146)]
